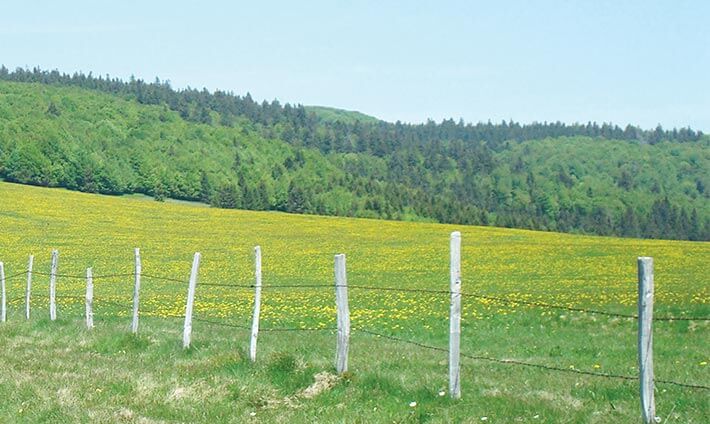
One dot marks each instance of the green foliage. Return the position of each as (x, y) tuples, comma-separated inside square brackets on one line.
[(26, 164), (232, 152), (339, 115)]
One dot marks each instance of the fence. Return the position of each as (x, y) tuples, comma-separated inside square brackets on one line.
[(343, 328)]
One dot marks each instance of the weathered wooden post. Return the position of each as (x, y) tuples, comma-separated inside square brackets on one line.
[(343, 311), (3, 302), (455, 317), (89, 298), (257, 303), (28, 290), (136, 290), (187, 329), (645, 339), (53, 286)]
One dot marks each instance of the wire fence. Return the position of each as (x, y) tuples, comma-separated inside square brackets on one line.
[(266, 329), (506, 300), (500, 299)]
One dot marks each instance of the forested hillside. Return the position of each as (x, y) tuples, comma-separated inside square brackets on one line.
[(108, 136), (338, 115)]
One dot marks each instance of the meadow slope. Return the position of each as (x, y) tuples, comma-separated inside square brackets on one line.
[(60, 372)]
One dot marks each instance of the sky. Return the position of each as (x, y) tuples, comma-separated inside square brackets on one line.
[(639, 62)]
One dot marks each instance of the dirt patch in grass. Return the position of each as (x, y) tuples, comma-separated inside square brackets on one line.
[(323, 381)]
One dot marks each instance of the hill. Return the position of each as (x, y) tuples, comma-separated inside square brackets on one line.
[(332, 114), (106, 136), (58, 371)]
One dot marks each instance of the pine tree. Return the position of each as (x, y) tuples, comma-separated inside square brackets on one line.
[(206, 191), (629, 225)]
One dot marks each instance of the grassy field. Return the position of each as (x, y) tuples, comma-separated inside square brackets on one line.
[(60, 372)]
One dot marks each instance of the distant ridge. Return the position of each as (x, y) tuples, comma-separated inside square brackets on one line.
[(341, 115)]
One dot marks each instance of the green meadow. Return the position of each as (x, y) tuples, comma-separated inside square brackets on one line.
[(58, 371)]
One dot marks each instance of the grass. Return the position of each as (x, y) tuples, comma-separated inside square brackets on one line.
[(60, 372)]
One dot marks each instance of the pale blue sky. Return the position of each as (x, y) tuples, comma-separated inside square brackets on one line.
[(639, 62)]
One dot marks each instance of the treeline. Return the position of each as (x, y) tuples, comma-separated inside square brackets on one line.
[(233, 152), (293, 123)]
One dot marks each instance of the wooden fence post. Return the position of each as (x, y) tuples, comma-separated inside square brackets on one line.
[(28, 290), (53, 286), (455, 317), (343, 311), (257, 303), (3, 311), (187, 329), (89, 298), (136, 290), (645, 339)]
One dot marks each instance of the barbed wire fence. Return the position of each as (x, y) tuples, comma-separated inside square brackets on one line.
[(343, 328)]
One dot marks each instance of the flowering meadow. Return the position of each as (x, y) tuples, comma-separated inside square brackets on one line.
[(398, 273), (101, 232)]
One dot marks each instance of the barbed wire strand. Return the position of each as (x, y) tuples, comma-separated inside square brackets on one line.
[(245, 286), (14, 276), (158, 277), (498, 299), (98, 302), (296, 286), (263, 329), (276, 329), (529, 303), (223, 324), (397, 289), (681, 319), (155, 314), (59, 275), (576, 309), (487, 297), (83, 277), (532, 365)]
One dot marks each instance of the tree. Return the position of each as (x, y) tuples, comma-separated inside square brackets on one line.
[(694, 229), (228, 197), (206, 191), (53, 110), (629, 225), (625, 181), (204, 116), (159, 192), (298, 201), (28, 165), (261, 196)]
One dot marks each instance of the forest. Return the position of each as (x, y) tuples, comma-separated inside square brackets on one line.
[(105, 135)]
